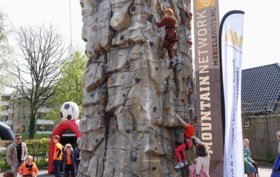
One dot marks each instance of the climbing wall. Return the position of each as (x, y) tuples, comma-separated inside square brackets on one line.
[(130, 96)]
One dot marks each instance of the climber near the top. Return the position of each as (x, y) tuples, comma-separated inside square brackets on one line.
[(170, 38), (189, 132)]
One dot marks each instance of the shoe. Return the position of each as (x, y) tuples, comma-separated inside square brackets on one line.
[(186, 162), (162, 54), (171, 65), (179, 165)]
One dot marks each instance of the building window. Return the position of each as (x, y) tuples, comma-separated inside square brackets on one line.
[(23, 117), (23, 128)]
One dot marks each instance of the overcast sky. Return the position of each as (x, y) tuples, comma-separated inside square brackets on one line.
[(261, 27)]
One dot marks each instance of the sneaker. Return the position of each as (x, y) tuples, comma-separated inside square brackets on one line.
[(179, 165), (171, 65), (162, 54), (186, 162)]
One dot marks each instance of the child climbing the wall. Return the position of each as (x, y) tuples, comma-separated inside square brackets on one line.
[(170, 38), (189, 132)]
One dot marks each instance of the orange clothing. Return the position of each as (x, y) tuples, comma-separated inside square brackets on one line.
[(68, 159), (28, 171), (57, 155), (189, 132)]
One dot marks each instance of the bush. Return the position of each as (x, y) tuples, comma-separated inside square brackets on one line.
[(270, 160), (36, 136)]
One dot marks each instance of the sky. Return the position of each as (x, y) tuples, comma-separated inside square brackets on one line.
[(261, 26)]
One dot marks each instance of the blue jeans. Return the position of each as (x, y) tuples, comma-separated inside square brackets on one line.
[(56, 168), (15, 169)]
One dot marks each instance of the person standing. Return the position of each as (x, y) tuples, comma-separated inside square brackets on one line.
[(77, 156), (68, 161), (57, 156), (278, 137), (16, 154)]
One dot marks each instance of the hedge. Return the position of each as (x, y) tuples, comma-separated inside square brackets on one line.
[(36, 136), (37, 148)]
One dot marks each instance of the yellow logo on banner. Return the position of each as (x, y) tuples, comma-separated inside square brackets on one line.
[(234, 39), (204, 3)]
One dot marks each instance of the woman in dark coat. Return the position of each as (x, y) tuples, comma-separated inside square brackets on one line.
[(68, 161)]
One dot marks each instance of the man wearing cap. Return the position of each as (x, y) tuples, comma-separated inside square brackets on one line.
[(77, 156)]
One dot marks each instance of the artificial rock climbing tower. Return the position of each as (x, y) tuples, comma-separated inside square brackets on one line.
[(130, 97)]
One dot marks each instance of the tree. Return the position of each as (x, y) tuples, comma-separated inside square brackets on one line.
[(69, 86), (5, 49), (42, 50)]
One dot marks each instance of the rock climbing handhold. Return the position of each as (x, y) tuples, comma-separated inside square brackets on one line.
[(172, 103), (183, 22), (183, 100), (117, 126), (125, 164), (121, 76), (150, 20), (114, 40), (100, 153), (137, 80), (90, 75), (82, 5), (122, 38), (128, 131), (188, 78), (154, 168), (141, 135), (177, 169), (133, 158), (136, 48), (117, 20), (191, 14), (180, 70), (123, 95), (154, 109), (91, 95), (93, 28), (94, 109), (177, 60), (139, 108), (151, 43), (165, 0), (95, 9), (170, 150), (194, 120), (96, 140), (133, 8), (187, 109), (103, 96), (156, 68), (103, 43), (176, 132), (96, 19), (112, 130), (155, 148), (97, 77), (171, 88), (96, 46), (190, 92), (90, 52), (156, 135), (111, 80)]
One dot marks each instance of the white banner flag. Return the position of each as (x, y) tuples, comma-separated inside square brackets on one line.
[(231, 36)]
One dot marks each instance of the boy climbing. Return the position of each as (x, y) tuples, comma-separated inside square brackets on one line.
[(170, 38)]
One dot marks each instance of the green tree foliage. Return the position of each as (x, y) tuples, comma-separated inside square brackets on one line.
[(70, 86)]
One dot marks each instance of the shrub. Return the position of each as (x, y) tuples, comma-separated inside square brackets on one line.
[(37, 136)]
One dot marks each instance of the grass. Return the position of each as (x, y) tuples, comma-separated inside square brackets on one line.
[(36, 136)]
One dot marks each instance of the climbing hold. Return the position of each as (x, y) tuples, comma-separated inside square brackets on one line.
[(103, 43), (91, 95), (94, 109), (188, 78), (97, 77), (128, 131), (172, 103), (136, 48), (171, 88), (133, 8), (155, 148), (156, 135), (154, 109), (117, 20), (141, 135), (170, 150), (151, 43), (93, 28), (90, 52), (114, 40), (103, 96), (137, 80), (100, 153), (154, 168), (150, 20), (191, 14), (96, 140), (177, 169), (125, 164), (176, 132), (156, 68), (117, 126), (180, 70), (96, 46), (183, 22), (121, 76), (165, 0), (123, 95), (190, 92), (82, 5), (194, 120), (81, 165), (188, 34), (96, 19), (122, 38), (133, 158), (112, 130), (90, 75), (95, 9), (183, 100), (177, 60), (111, 80), (139, 108), (187, 109)]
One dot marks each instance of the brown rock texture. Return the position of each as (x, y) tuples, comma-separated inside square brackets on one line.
[(130, 97)]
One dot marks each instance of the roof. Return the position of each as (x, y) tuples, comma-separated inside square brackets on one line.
[(260, 88)]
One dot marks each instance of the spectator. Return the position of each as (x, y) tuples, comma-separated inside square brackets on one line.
[(77, 156), (249, 168), (68, 161), (16, 154), (248, 154), (29, 168), (57, 156), (278, 136), (9, 173)]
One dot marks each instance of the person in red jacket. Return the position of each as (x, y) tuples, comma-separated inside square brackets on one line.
[(189, 132), (170, 38), (29, 168)]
